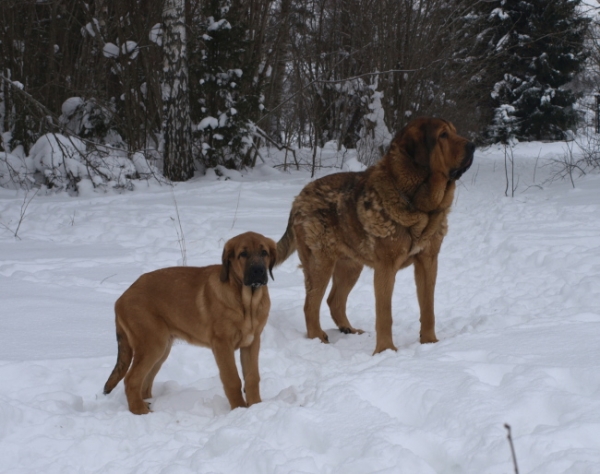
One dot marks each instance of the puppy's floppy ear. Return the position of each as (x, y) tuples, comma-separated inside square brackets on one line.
[(227, 255), (420, 142), (272, 257)]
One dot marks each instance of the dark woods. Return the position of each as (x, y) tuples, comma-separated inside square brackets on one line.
[(201, 83)]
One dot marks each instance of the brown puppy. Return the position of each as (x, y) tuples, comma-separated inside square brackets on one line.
[(390, 216), (224, 307)]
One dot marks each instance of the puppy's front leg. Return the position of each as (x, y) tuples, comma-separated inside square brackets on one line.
[(225, 357), (249, 358)]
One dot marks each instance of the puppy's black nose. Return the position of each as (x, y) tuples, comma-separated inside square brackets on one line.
[(258, 272), (256, 276)]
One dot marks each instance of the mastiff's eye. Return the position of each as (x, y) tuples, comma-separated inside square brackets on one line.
[(444, 135), (264, 253), (244, 254)]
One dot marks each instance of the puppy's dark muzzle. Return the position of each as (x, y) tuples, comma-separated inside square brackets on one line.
[(466, 162), (256, 276)]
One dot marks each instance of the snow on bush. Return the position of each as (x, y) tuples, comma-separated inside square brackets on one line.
[(86, 118), (112, 169), (156, 34), (110, 51), (222, 24), (63, 161), (15, 171), (130, 48), (375, 136), (67, 162), (70, 106), (58, 158), (208, 122), (144, 169)]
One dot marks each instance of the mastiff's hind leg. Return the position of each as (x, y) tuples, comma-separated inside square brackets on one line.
[(345, 276)]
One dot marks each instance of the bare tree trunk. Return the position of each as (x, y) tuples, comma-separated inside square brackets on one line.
[(277, 60), (178, 160)]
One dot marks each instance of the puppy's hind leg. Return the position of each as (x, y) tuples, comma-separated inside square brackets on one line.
[(148, 382), (149, 348), (345, 276)]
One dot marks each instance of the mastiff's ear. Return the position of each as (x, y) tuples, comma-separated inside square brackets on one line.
[(226, 261), (420, 140)]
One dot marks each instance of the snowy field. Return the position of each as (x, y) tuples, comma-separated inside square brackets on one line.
[(517, 302)]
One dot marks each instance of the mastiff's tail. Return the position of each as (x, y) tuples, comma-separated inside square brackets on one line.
[(287, 244)]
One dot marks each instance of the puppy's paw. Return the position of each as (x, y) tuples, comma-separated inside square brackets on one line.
[(428, 338), (140, 408), (320, 334), (380, 347)]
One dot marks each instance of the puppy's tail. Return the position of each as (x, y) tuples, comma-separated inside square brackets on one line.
[(124, 356), (287, 244)]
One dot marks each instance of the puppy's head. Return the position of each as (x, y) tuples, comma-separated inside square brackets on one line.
[(433, 143), (247, 257)]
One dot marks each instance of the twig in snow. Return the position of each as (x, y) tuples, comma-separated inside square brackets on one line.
[(237, 205), (110, 276), (24, 206), (287, 148), (512, 448), (179, 230), (536, 164), (474, 177), (513, 186)]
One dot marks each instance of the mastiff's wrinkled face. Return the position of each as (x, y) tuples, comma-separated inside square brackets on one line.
[(434, 143), (249, 258)]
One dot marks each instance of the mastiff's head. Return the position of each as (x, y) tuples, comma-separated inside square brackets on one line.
[(434, 144)]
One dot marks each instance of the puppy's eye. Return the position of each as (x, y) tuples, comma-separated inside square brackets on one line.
[(264, 253), (444, 135), (244, 254)]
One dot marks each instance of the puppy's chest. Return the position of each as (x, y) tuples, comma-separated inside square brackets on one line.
[(247, 338), (254, 316), (250, 329)]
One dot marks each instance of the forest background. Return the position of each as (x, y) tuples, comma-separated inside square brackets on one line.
[(173, 87)]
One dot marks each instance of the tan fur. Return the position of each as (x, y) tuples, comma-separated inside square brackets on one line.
[(388, 217), (210, 306)]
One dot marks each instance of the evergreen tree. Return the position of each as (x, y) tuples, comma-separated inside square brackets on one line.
[(533, 49), (228, 96)]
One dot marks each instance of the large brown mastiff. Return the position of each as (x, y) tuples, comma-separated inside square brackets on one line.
[(390, 216), (223, 307)]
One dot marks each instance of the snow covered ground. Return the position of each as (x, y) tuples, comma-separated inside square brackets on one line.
[(517, 301)]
